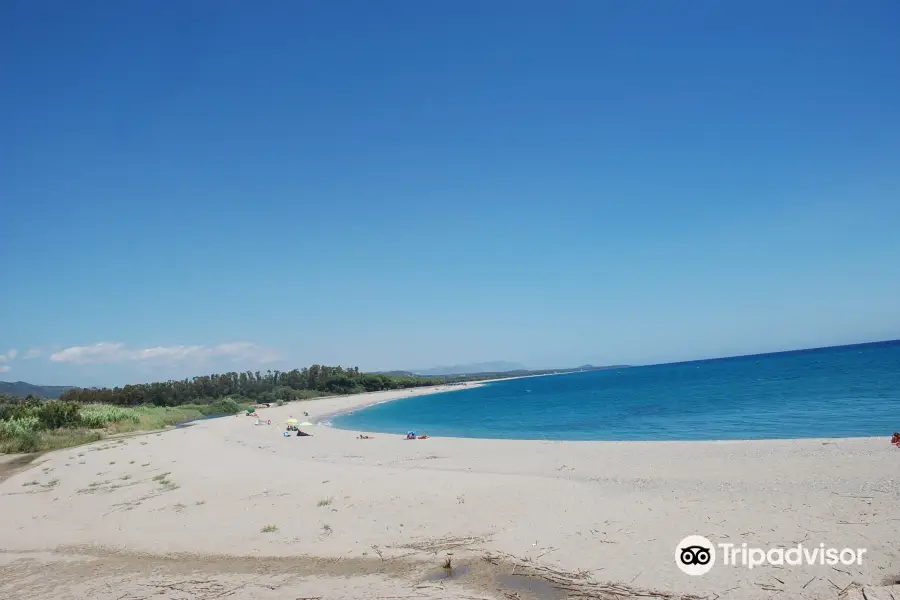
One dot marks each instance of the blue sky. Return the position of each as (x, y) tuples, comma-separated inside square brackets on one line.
[(190, 187)]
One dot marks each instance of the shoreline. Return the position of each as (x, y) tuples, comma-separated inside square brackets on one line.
[(227, 504), (354, 402), (387, 396)]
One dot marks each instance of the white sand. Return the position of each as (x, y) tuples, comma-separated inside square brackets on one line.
[(616, 508)]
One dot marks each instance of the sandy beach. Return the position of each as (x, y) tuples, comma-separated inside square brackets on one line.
[(225, 508)]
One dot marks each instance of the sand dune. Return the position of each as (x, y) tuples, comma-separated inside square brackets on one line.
[(225, 508)]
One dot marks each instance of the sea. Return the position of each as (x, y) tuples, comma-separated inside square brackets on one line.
[(846, 391)]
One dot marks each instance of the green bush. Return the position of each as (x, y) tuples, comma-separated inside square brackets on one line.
[(19, 427), (8, 412), (25, 443), (225, 406), (97, 416), (57, 414), (267, 398), (60, 424)]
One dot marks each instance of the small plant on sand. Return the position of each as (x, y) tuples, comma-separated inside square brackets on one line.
[(326, 528), (112, 462), (93, 487), (269, 529), (125, 477), (200, 502), (130, 462), (51, 483), (28, 483), (163, 480), (325, 502)]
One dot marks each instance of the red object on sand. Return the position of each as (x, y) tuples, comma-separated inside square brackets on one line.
[(895, 439)]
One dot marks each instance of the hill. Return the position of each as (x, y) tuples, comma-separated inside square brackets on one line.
[(396, 373), (23, 388)]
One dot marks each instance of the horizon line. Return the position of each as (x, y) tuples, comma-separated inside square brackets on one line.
[(609, 366)]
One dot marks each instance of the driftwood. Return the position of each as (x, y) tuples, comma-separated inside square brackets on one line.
[(436, 545), (581, 587)]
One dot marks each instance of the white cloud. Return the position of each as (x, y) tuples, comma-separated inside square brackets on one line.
[(12, 353), (32, 353), (114, 352), (4, 368)]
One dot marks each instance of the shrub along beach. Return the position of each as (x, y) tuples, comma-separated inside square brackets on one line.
[(83, 415), (34, 425)]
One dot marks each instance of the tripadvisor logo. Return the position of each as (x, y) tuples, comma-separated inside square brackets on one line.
[(696, 555)]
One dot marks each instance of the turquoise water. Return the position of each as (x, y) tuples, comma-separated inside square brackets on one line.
[(829, 392)]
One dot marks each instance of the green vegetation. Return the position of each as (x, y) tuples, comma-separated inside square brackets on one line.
[(34, 425), (269, 387), (83, 415), (269, 529)]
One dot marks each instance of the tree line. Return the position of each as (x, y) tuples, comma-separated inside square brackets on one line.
[(270, 386)]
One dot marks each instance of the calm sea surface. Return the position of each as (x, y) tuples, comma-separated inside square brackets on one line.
[(830, 392)]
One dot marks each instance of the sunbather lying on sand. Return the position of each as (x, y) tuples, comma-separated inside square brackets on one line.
[(365, 437)]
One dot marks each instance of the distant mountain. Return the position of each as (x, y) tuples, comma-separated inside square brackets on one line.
[(484, 367), (396, 373), (22, 388)]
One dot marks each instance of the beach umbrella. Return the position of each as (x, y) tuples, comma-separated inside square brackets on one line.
[(291, 421)]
